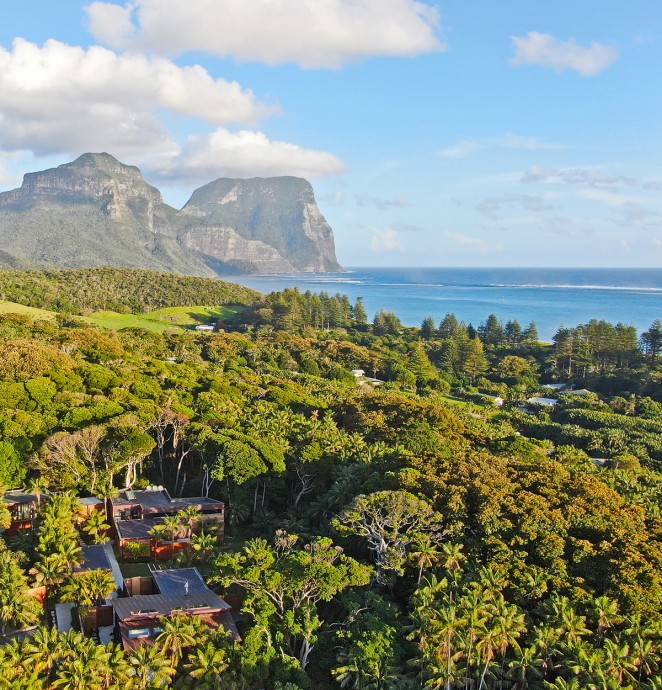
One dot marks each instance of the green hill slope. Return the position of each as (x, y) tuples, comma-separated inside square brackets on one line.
[(85, 291)]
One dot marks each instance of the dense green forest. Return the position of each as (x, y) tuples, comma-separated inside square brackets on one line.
[(84, 290), (402, 532)]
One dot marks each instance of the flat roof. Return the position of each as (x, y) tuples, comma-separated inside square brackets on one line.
[(160, 499), (15, 497), (145, 606), (136, 633), (90, 501), (137, 529), (173, 580), (94, 557)]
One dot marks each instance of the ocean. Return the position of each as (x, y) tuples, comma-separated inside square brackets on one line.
[(552, 297)]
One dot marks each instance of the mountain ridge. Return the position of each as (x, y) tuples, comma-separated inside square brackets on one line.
[(96, 211)]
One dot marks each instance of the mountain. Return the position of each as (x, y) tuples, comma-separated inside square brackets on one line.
[(270, 224), (97, 212)]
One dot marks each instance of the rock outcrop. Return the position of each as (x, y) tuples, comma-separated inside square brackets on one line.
[(237, 219)]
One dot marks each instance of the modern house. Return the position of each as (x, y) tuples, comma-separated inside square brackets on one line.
[(167, 593), (135, 514), (24, 509)]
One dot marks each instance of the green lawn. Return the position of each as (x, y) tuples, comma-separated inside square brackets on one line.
[(452, 400), (32, 312), (163, 319), (156, 321), (135, 570)]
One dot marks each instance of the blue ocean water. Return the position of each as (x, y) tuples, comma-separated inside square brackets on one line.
[(551, 297)]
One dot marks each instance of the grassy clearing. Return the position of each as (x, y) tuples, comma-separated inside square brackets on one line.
[(184, 318), (164, 319), (452, 400), (32, 312)]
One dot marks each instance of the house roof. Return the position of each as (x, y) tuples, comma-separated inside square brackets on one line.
[(159, 500), (174, 580), (90, 501), (94, 557), (149, 629), (147, 606), (542, 401), (137, 529), (15, 497)]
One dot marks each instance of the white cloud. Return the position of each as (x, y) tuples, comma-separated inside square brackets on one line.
[(65, 99), (466, 147), (547, 51), (467, 242), (610, 198), (462, 149), (491, 207), (246, 153), (379, 202), (588, 177), (385, 240), (59, 98), (310, 33)]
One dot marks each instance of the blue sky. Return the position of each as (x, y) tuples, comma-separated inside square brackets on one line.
[(438, 133)]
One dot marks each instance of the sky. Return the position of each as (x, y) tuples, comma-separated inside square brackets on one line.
[(434, 132)]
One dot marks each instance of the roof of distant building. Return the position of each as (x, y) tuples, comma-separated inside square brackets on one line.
[(542, 401), (158, 499), (158, 605), (16, 496), (175, 580), (90, 501), (137, 529), (94, 557)]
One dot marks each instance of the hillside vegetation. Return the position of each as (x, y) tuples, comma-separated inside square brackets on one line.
[(87, 290), (384, 536)]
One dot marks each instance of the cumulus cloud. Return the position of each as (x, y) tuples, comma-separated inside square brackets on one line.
[(385, 240), (65, 99), (246, 153), (466, 147), (310, 33), (491, 207), (547, 51), (379, 202), (58, 98)]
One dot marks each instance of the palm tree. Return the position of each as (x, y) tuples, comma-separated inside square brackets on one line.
[(204, 547), (425, 555), (43, 651), (189, 516), (179, 633), (149, 667), (97, 527), (69, 554), (205, 666), (526, 667), (86, 589), (49, 572), (171, 526)]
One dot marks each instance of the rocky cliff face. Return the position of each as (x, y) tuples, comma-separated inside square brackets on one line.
[(97, 211), (237, 219), (94, 212)]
